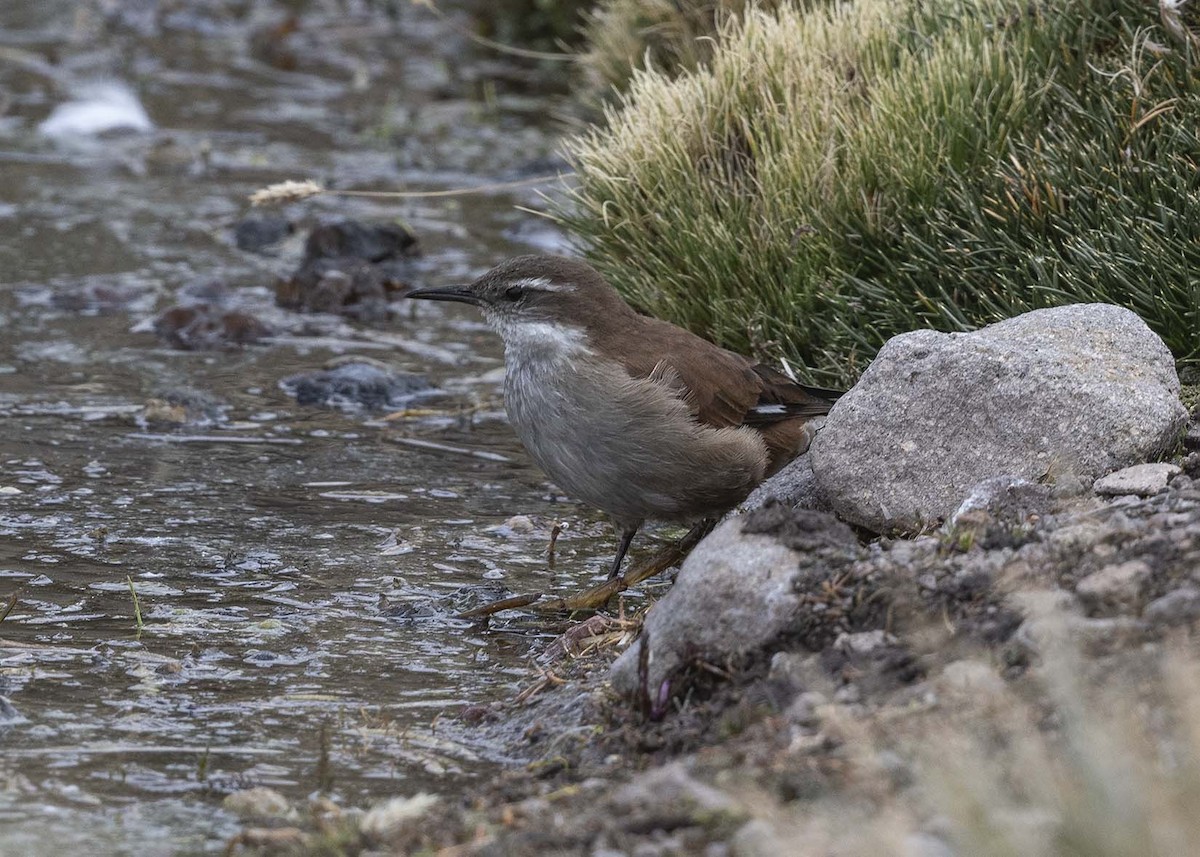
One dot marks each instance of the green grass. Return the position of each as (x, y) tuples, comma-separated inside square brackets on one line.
[(665, 35), (840, 173)]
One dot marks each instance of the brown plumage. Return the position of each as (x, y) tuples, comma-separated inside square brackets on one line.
[(636, 416)]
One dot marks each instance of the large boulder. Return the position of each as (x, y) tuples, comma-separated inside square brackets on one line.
[(741, 587), (1072, 392)]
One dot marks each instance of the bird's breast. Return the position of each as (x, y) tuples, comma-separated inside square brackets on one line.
[(629, 446)]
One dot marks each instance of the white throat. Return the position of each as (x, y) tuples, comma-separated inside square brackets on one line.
[(541, 340)]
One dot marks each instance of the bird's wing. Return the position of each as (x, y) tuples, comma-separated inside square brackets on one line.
[(781, 399), (721, 388)]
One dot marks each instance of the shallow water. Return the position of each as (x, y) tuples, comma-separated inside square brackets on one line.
[(296, 569)]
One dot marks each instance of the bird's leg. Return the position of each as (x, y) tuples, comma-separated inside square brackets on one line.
[(626, 539), (672, 554)]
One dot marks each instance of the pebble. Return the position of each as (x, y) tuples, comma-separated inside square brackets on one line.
[(1114, 586), (1144, 480), (1174, 608)]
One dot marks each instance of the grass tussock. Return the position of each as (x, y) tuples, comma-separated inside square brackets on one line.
[(622, 36), (840, 173)]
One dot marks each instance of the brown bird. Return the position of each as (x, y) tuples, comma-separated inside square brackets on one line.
[(630, 414)]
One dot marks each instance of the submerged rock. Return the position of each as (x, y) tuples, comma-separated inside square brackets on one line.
[(204, 326), (102, 295), (349, 239), (351, 269), (1079, 390), (256, 234), (182, 407), (259, 804), (354, 385)]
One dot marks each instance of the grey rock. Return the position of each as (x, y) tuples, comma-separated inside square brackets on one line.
[(356, 385), (258, 803), (804, 710), (794, 485), (1114, 587), (388, 818), (1175, 608), (757, 838), (1144, 480), (864, 642), (256, 234), (799, 671), (1008, 500), (969, 679), (672, 787), (1077, 391), (735, 592)]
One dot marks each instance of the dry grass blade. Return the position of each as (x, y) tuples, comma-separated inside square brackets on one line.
[(137, 607), (286, 191), (8, 608), (294, 191)]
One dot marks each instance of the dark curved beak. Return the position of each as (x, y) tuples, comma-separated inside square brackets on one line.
[(461, 294)]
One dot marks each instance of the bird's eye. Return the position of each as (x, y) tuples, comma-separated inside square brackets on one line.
[(514, 293)]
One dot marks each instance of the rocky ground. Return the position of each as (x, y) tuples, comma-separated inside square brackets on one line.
[(1014, 678)]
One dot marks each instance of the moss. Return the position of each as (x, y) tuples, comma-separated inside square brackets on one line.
[(841, 173)]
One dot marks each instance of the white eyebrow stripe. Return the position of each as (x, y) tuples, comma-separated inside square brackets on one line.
[(545, 284)]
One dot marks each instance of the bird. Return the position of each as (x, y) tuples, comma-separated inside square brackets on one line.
[(633, 415)]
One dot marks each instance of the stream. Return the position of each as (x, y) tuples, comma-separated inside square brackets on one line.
[(296, 569)]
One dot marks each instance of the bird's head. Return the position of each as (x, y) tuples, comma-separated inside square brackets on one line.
[(541, 298)]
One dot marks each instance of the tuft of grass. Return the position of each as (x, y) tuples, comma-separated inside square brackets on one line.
[(840, 173), (137, 607), (624, 36)]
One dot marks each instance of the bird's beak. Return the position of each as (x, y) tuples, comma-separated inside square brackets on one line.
[(462, 294)]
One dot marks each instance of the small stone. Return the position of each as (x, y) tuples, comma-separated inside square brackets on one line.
[(970, 680), (9, 490), (386, 820), (203, 326), (1007, 500), (863, 643), (355, 385), (1144, 480), (349, 268), (1114, 587), (1175, 608), (848, 694), (258, 804), (757, 838), (804, 709), (256, 234), (798, 672), (672, 788), (374, 242), (519, 525)]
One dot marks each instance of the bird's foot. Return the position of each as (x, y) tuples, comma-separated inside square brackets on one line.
[(599, 595)]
